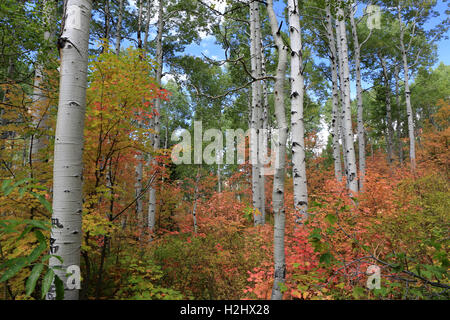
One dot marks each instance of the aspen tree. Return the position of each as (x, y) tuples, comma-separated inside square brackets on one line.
[(278, 183), (359, 100), (40, 116), (351, 171), (156, 118), (335, 96), (65, 238), (298, 129)]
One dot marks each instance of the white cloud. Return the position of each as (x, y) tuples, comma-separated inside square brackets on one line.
[(167, 77)]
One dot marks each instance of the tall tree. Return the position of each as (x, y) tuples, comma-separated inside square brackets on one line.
[(68, 158), (360, 123), (351, 172), (40, 100), (415, 41), (256, 114), (298, 130), (156, 120), (278, 182), (335, 119)]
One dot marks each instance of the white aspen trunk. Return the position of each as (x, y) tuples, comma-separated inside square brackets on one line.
[(388, 109), (409, 112), (139, 157), (351, 172), (40, 116), (140, 2), (335, 96), (262, 114), (256, 123), (359, 98), (265, 95), (107, 16), (65, 238), (119, 27), (298, 129), (219, 179), (147, 23), (138, 191), (341, 102), (278, 182), (156, 119), (194, 210), (263, 146), (399, 127)]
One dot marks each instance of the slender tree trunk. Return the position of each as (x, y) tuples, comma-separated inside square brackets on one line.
[(156, 118), (147, 23), (194, 210), (265, 136), (351, 172), (341, 103), (398, 127), (262, 124), (278, 183), (68, 159), (40, 96), (359, 98), (388, 109), (138, 191), (107, 15), (335, 96), (298, 129), (409, 112), (139, 157), (119, 27), (219, 179), (256, 123)]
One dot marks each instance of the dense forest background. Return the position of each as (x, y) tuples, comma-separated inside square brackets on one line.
[(95, 97)]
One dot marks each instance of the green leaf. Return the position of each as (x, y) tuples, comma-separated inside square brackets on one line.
[(59, 258), (358, 292), (47, 282), (5, 184), (326, 258), (36, 252), (32, 279), (22, 192), (43, 201), (15, 185), (59, 288), (44, 225), (25, 232), (331, 218), (40, 236), (17, 265)]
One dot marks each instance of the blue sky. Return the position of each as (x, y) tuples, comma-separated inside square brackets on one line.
[(209, 48)]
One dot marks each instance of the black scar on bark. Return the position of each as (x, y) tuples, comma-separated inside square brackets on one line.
[(280, 272)]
